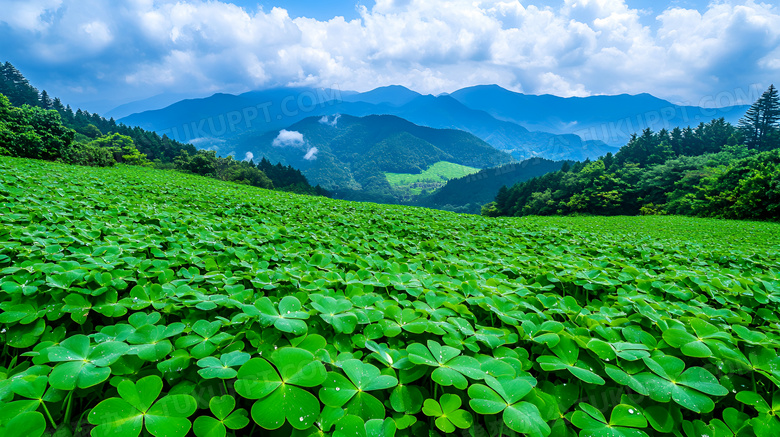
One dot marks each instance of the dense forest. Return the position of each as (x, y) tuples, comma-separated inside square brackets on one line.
[(713, 170), (33, 125)]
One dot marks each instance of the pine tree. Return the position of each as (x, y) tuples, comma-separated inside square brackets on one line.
[(46, 102), (16, 87), (761, 122), (57, 105)]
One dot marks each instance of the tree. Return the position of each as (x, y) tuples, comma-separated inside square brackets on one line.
[(16, 87), (760, 124), (32, 132), (122, 148), (46, 101)]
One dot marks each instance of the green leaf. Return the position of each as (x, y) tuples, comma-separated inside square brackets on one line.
[(295, 405), (205, 426), (28, 424), (257, 379), (168, 416), (136, 409), (447, 413), (524, 417)]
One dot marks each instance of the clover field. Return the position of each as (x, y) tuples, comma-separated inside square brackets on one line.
[(141, 302)]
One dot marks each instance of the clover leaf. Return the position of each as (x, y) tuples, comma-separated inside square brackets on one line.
[(150, 342), (450, 365), (82, 365), (700, 345), (506, 395), (624, 421), (336, 312), (448, 413), (687, 387), (567, 359), (222, 367), (26, 424), (289, 316), (224, 418), (203, 339), (352, 391), (138, 408), (277, 388)]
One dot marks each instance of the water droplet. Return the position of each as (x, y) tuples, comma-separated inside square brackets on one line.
[(338, 388), (630, 411), (301, 419)]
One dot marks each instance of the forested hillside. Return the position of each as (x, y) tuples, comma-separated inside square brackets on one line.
[(714, 170), (33, 125), (352, 155), (468, 194)]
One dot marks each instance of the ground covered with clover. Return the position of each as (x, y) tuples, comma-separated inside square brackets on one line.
[(141, 302)]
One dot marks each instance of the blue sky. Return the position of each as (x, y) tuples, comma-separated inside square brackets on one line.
[(100, 53)]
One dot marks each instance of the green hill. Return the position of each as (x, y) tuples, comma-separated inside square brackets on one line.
[(139, 300), (432, 178), (348, 154)]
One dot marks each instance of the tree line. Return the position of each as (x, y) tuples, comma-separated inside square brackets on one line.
[(33, 125), (713, 170)]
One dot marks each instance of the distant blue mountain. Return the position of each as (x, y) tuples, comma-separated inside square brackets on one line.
[(149, 104), (396, 95), (225, 115), (213, 121), (611, 119), (444, 112)]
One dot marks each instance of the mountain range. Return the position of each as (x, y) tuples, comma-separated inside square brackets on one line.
[(352, 143), (611, 119), (212, 122), (521, 124)]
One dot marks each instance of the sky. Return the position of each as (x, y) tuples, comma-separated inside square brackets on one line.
[(97, 54)]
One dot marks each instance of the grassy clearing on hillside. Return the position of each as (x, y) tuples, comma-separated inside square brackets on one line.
[(433, 177), (134, 299)]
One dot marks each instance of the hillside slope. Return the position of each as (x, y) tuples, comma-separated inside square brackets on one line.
[(469, 193), (350, 153)]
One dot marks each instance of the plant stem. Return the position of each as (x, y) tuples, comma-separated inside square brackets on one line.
[(66, 417), (753, 378), (48, 414)]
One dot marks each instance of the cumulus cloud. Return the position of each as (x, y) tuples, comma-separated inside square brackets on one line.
[(85, 49), (311, 154), (326, 120), (249, 156), (288, 138)]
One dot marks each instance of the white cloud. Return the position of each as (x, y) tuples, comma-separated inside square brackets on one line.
[(311, 154), (28, 15), (578, 47), (249, 156), (326, 120), (288, 138)]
